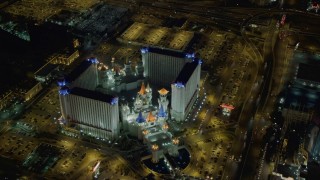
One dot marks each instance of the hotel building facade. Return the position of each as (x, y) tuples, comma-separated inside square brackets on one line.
[(185, 89), (93, 113), (162, 66)]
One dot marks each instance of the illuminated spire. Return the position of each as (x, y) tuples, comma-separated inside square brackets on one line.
[(150, 117), (155, 147), (148, 87), (145, 132), (163, 91), (142, 89), (165, 126), (175, 141), (140, 118)]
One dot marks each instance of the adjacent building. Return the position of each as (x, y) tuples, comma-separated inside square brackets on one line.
[(35, 88), (66, 57), (162, 66), (46, 73), (94, 113), (185, 89), (299, 128)]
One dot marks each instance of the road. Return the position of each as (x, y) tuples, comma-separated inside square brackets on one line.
[(277, 61), (248, 163)]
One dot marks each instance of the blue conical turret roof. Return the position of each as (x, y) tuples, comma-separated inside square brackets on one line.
[(161, 112), (140, 118)]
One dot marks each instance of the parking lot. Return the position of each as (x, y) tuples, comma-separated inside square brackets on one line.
[(71, 160), (146, 35), (44, 113), (147, 19), (16, 146), (208, 48), (42, 158), (241, 75), (209, 152)]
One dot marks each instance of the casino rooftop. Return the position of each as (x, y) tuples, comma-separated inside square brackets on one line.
[(187, 71), (92, 95)]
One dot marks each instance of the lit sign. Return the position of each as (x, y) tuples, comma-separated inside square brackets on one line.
[(96, 166)]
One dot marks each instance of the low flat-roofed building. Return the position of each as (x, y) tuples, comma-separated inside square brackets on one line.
[(65, 57), (45, 73), (5, 99), (30, 88), (278, 176), (286, 171), (42, 10), (301, 100), (160, 37)]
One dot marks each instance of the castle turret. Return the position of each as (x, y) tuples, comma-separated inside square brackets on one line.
[(109, 80), (148, 89), (173, 150), (112, 62), (165, 127), (150, 118), (125, 111), (143, 99), (127, 67), (142, 89), (155, 153), (139, 69), (140, 118), (149, 94), (117, 76), (103, 75), (162, 100), (161, 112)]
